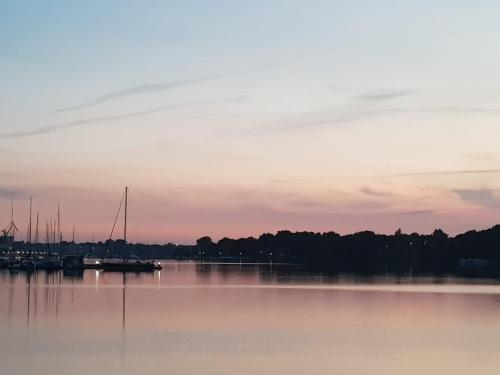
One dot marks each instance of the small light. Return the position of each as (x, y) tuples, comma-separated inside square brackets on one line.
[(97, 262)]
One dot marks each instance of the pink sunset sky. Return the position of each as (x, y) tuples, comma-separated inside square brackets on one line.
[(233, 121)]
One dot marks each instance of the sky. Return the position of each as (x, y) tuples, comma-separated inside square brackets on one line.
[(234, 118)]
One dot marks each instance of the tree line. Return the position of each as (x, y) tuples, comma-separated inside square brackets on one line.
[(364, 250)]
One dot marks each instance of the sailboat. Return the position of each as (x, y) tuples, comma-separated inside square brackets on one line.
[(125, 265)]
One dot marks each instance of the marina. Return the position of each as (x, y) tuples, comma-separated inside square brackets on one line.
[(30, 256)]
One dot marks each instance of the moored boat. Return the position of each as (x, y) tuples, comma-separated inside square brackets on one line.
[(126, 265), (134, 266)]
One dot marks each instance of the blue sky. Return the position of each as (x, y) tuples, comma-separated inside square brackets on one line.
[(249, 116)]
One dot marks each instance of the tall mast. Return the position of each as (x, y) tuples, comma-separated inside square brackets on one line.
[(36, 230), (52, 231), (59, 222), (47, 239), (29, 226), (49, 236), (125, 226), (12, 229), (73, 238), (12, 219)]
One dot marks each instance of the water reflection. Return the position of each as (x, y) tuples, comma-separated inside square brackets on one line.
[(193, 318)]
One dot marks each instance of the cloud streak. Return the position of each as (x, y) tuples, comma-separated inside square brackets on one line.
[(11, 193), (145, 88), (93, 120), (349, 116), (444, 173), (381, 95), (479, 197), (375, 193), (8, 193), (414, 213)]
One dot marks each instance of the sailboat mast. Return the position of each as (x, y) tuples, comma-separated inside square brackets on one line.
[(13, 225), (13, 228), (29, 226), (48, 235), (59, 223), (36, 229), (52, 231), (125, 226)]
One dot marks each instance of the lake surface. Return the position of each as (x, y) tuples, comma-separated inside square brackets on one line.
[(202, 318)]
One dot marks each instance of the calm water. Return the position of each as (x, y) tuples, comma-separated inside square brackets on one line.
[(246, 319)]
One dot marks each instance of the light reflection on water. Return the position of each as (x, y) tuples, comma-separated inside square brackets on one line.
[(193, 318)]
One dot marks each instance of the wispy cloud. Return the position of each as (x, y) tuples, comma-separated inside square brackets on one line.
[(414, 212), (10, 193), (7, 193), (145, 88), (382, 95), (341, 117), (92, 120), (479, 197), (444, 173), (376, 193)]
